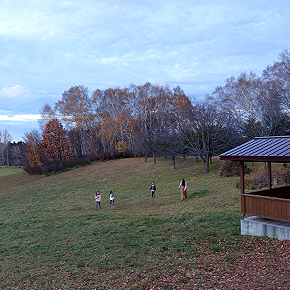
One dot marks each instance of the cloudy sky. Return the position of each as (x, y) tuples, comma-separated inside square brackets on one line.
[(47, 46)]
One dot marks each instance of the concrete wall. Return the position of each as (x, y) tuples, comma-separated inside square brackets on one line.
[(257, 226)]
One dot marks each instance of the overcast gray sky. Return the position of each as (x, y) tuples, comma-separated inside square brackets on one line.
[(47, 46)]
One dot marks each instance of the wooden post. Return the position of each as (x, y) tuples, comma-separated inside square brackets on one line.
[(269, 175), (242, 179), (242, 184)]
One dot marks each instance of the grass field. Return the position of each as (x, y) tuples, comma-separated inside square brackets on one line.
[(52, 237), (10, 170)]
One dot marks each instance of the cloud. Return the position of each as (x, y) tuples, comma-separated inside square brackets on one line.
[(20, 118), (15, 92)]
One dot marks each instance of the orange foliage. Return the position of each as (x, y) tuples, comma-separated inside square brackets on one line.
[(32, 153), (54, 144)]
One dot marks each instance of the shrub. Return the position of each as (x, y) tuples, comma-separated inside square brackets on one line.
[(286, 177), (32, 170), (52, 165)]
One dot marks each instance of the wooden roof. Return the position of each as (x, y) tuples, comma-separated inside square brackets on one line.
[(261, 149)]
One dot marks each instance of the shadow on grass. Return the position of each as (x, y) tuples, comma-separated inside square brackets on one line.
[(201, 193)]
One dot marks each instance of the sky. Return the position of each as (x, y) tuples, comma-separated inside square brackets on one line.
[(47, 46)]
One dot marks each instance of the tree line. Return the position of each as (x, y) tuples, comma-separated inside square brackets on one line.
[(153, 120)]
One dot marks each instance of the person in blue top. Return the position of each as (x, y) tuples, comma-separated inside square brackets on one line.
[(112, 197)]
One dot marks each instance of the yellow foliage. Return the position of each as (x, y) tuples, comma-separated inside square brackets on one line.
[(121, 147), (33, 156)]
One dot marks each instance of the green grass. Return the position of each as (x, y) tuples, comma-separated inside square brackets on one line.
[(52, 238), (4, 170)]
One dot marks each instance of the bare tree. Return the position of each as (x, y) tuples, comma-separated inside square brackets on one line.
[(5, 139), (35, 139), (47, 113), (75, 111), (153, 109), (17, 153), (209, 131), (278, 78), (256, 104)]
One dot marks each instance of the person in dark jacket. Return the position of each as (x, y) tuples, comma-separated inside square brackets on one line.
[(153, 189)]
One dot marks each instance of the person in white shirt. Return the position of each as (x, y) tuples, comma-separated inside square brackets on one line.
[(183, 189), (98, 200), (112, 197)]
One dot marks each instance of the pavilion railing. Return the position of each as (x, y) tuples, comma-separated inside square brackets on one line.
[(271, 203)]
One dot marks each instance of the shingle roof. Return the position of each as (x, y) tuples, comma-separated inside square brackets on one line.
[(273, 149)]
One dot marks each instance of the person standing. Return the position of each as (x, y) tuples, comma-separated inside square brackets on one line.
[(112, 197), (98, 200), (183, 189), (153, 189)]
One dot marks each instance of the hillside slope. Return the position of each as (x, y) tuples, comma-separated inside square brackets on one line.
[(51, 237)]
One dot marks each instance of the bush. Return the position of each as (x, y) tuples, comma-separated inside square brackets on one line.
[(32, 170), (286, 177), (52, 165)]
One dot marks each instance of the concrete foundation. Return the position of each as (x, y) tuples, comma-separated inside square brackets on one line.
[(258, 226)]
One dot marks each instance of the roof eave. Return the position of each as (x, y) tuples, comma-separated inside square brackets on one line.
[(257, 158)]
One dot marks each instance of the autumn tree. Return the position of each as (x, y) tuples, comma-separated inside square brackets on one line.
[(54, 144), (113, 111), (32, 154)]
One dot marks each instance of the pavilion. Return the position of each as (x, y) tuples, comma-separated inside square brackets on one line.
[(269, 208)]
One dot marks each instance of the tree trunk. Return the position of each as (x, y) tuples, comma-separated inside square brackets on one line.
[(206, 165), (205, 160), (195, 159), (8, 154), (173, 160)]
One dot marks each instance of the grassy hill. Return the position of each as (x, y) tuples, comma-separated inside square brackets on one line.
[(5, 170), (52, 237)]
